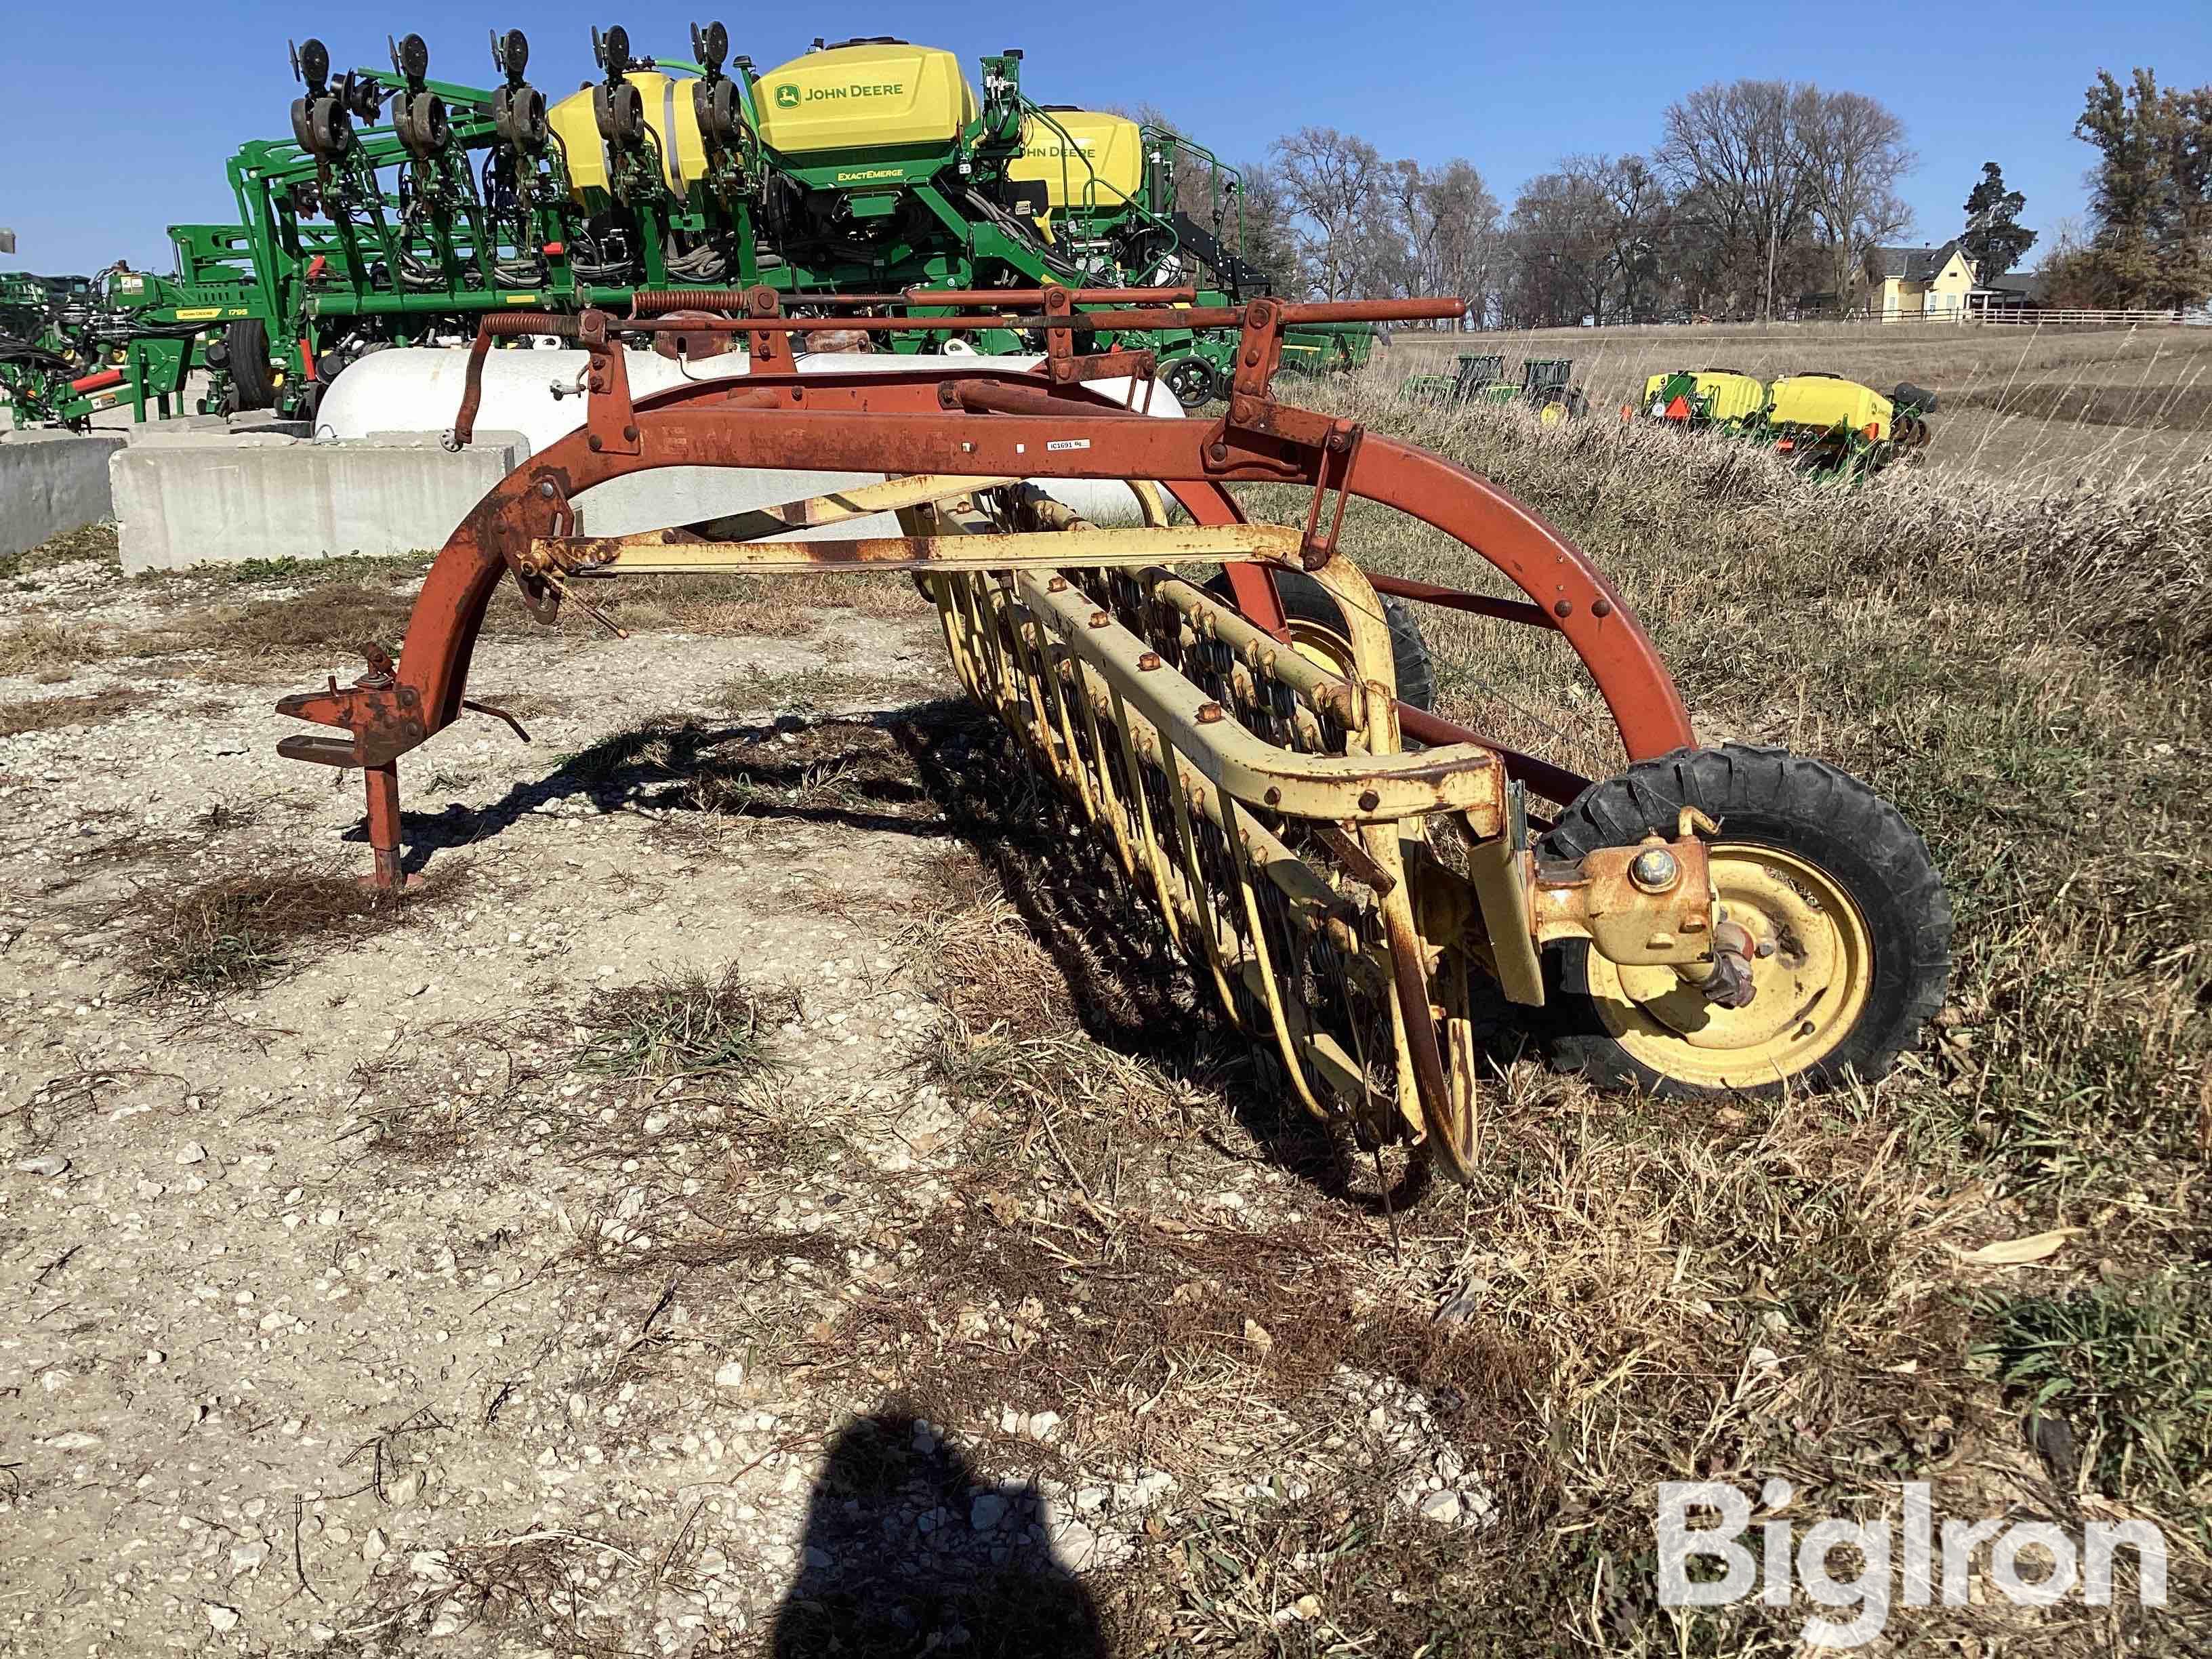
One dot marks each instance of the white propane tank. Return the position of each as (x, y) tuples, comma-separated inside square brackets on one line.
[(409, 389)]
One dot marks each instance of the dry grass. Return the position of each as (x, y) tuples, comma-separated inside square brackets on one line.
[(656, 1071), (93, 543), (2120, 564), (766, 607), (984, 965), (49, 713), (329, 621), (237, 933), (530, 1585), (338, 617), (342, 605), (809, 691), (681, 1026), (1876, 353), (350, 569), (225, 638), (1635, 1294), (40, 647), (2158, 406), (2026, 406)]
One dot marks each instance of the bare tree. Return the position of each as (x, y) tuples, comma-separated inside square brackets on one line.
[(1262, 217), (1561, 232), (1855, 153), (1336, 185), (1759, 188), (1390, 262), (1737, 152), (1449, 221), (1636, 212)]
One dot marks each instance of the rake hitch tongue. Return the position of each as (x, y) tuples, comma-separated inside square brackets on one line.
[(1241, 761)]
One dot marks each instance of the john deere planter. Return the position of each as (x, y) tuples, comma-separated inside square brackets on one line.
[(1827, 427), (869, 178)]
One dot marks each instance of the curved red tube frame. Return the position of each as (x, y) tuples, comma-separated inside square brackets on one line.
[(912, 422)]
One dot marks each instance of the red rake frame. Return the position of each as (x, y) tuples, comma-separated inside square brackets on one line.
[(941, 425), (941, 417)]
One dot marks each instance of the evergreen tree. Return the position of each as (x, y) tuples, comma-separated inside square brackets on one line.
[(1995, 240), (2153, 200)]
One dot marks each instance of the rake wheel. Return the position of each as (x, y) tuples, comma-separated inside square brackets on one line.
[(1317, 627), (1839, 892)]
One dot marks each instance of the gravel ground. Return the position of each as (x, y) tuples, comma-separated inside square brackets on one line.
[(352, 1307)]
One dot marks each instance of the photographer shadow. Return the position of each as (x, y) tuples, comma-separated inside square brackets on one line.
[(905, 1552)]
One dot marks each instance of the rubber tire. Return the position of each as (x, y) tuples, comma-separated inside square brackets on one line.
[(1196, 373), (252, 376), (1305, 599), (1769, 797)]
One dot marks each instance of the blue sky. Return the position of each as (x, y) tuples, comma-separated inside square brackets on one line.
[(120, 115)]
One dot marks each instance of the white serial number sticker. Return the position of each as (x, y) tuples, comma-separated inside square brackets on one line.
[(1069, 443)]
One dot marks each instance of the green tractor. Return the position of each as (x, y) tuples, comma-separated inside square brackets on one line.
[(1471, 376), (1547, 384), (1547, 387)]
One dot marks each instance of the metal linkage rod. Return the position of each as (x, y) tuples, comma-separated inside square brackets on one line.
[(1034, 297)]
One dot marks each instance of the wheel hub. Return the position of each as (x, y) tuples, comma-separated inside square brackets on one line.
[(1810, 966)]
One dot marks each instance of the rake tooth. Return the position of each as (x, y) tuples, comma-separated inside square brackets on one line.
[(1257, 800)]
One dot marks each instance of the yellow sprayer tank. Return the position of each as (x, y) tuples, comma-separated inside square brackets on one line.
[(1732, 397), (1083, 158), (1736, 397), (871, 95), (668, 112), (1824, 401)]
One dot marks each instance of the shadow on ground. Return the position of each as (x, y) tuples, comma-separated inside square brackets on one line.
[(933, 768), (847, 771), (905, 1552)]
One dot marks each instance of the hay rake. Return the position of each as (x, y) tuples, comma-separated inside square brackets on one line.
[(1712, 918)]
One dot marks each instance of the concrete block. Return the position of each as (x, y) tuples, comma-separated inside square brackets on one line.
[(200, 498), (52, 482), (201, 429), (686, 495)]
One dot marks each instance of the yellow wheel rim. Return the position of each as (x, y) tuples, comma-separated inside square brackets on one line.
[(1552, 414), (1812, 981)]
